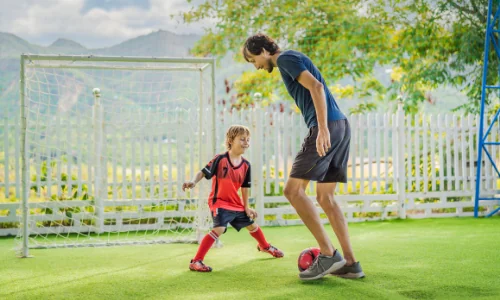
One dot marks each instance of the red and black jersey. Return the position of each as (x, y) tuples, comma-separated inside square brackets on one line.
[(226, 181)]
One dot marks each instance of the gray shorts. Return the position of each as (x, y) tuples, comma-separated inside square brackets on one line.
[(333, 166)]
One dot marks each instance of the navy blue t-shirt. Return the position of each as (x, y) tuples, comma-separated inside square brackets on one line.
[(291, 63)]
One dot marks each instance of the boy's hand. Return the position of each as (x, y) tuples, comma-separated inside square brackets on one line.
[(251, 213), (188, 185)]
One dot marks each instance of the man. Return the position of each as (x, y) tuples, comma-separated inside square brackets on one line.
[(323, 157)]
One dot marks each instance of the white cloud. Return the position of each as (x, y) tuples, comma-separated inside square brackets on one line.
[(43, 21)]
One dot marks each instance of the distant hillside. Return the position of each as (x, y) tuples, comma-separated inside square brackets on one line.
[(65, 46), (12, 46), (159, 43)]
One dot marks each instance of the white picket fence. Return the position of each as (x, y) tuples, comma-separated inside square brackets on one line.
[(386, 176), (400, 166)]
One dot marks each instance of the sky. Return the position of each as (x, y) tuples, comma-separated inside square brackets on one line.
[(94, 23)]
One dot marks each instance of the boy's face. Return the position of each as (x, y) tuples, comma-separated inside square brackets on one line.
[(261, 61), (240, 143)]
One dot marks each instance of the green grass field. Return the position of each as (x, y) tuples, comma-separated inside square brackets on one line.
[(409, 259)]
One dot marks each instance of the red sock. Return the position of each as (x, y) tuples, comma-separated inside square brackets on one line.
[(205, 245), (259, 236)]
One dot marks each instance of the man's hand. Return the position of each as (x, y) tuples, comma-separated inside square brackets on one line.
[(251, 213), (323, 141), (188, 185)]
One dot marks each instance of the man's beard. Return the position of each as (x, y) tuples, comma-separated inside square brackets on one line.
[(270, 67)]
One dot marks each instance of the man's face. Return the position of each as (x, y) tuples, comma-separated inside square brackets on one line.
[(261, 61)]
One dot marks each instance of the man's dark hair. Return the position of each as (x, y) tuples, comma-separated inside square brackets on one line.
[(256, 43)]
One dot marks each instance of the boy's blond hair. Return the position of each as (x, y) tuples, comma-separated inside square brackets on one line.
[(233, 132)]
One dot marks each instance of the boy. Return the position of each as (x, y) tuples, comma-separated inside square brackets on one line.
[(229, 172)]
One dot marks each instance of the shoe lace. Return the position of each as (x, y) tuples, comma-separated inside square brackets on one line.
[(315, 263), (200, 263)]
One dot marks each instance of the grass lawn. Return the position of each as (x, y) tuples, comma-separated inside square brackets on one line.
[(403, 259)]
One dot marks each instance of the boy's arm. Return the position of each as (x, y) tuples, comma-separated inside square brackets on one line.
[(251, 213), (191, 184), (198, 177), (207, 172), (245, 192)]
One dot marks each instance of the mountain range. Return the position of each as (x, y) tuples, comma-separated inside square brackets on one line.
[(160, 43)]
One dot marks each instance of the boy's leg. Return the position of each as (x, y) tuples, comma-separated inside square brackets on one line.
[(263, 245), (207, 242), (241, 220), (296, 195), (196, 263), (258, 235), (220, 223)]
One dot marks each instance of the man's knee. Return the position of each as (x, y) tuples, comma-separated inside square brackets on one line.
[(294, 188), (288, 191), (326, 200), (291, 191)]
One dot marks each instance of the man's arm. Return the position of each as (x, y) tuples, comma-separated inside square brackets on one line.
[(316, 88)]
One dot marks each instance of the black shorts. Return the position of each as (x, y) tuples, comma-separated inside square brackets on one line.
[(333, 166), (237, 219)]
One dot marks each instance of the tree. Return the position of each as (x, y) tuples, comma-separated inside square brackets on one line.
[(426, 43), (441, 42)]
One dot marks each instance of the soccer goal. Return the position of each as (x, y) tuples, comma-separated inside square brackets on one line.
[(107, 143)]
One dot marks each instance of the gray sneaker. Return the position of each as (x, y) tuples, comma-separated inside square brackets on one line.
[(351, 272), (323, 265)]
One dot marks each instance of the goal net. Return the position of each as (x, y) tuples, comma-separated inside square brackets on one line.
[(107, 143)]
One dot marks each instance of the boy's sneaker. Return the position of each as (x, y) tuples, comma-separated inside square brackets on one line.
[(272, 250), (199, 266), (351, 272), (323, 265)]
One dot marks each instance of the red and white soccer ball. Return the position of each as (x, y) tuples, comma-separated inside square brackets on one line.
[(307, 257)]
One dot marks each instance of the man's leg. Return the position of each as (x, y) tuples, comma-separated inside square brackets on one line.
[(324, 193), (325, 197), (296, 195), (330, 260)]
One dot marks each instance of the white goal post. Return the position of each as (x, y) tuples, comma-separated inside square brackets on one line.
[(106, 143)]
